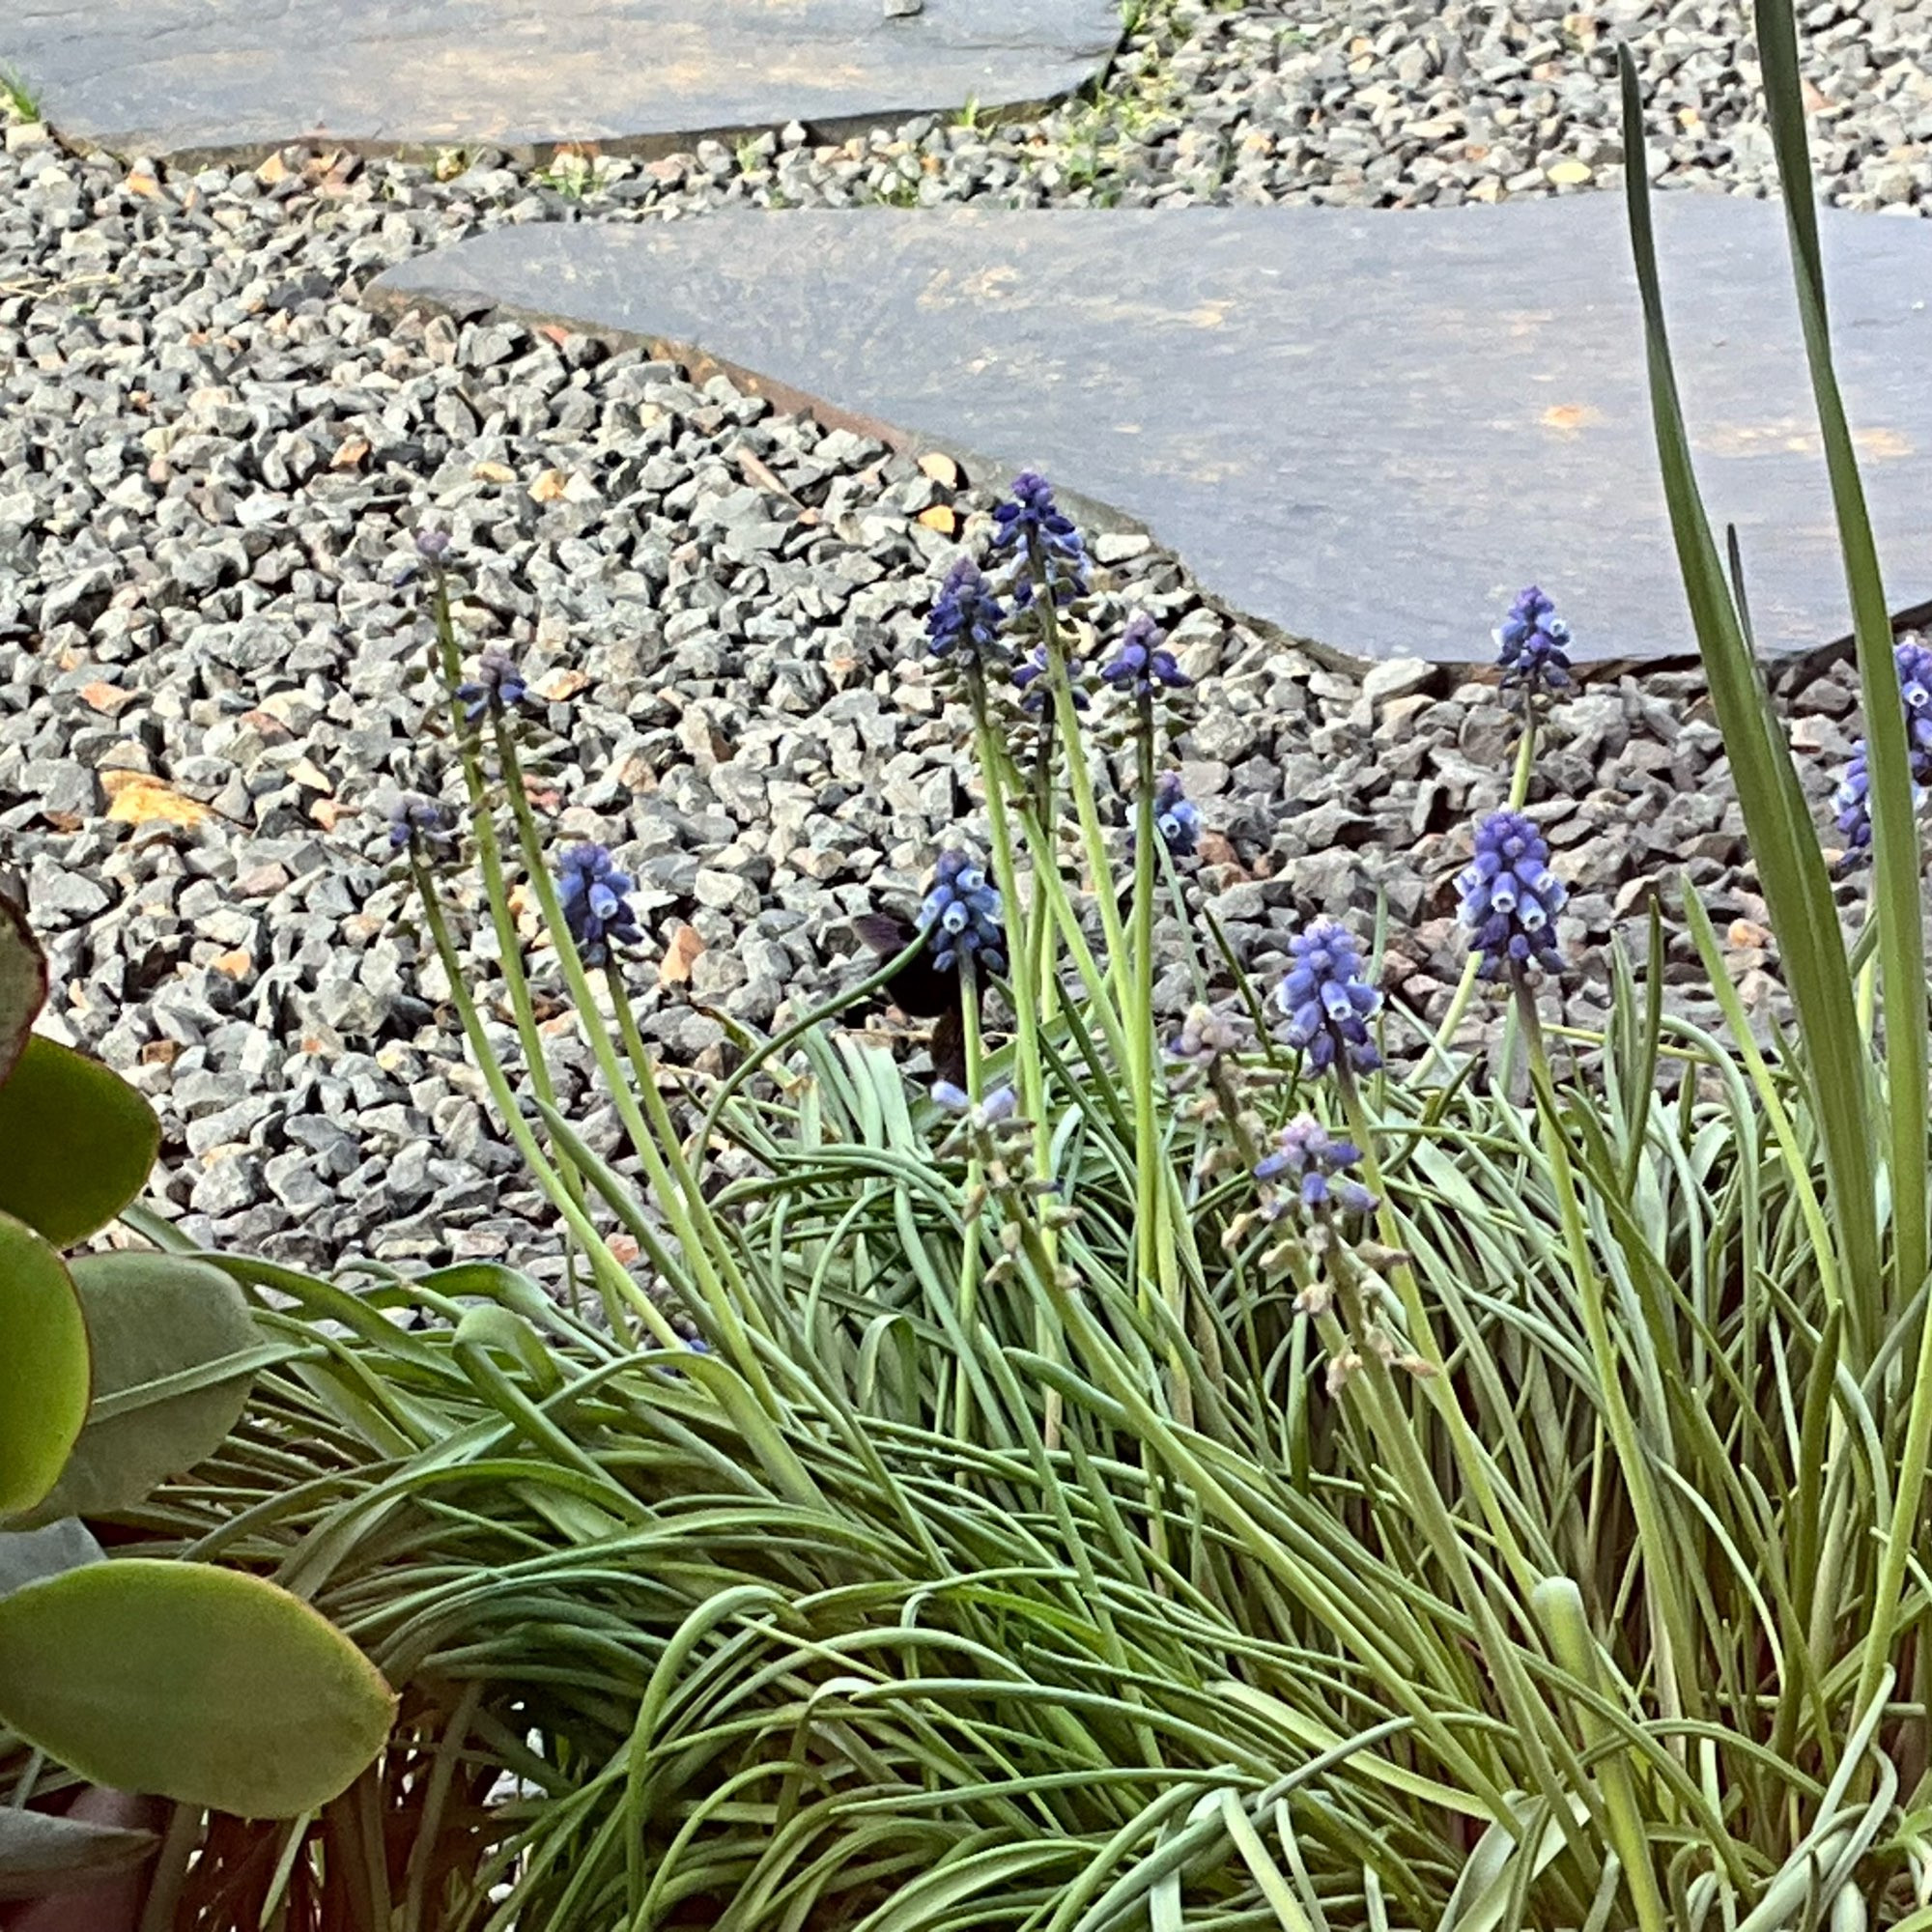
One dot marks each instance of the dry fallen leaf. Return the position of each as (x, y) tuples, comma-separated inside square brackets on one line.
[(549, 487), (493, 472), (941, 468), (352, 453), (140, 800), (680, 955), (559, 684), (140, 182), (941, 519), (236, 965)]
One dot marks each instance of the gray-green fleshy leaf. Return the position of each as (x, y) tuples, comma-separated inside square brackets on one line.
[(208, 1686), (175, 1350), (79, 1143), (23, 984), (26, 1555), (43, 1367), (41, 1854)]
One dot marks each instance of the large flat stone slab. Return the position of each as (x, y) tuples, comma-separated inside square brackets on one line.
[(1370, 429), (208, 78)]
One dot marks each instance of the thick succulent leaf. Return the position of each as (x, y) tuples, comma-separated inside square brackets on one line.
[(175, 1349), (40, 1854), (79, 1143), (208, 1686), (26, 1555), (23, 984), (44, 1374)]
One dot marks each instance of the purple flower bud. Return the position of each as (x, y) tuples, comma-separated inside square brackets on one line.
[(1327, 1001), (1851, 802), (1175, 817), (1533, 647), (421, 825), (498, 686), (595, 904), (962, 914), (1511, 898), (1314, 1166), (966, 616), (432, 545), (1030, 674), (1142, 665), (1044, 543)]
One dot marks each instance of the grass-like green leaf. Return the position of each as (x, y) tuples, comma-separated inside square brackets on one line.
[(1784, 842)]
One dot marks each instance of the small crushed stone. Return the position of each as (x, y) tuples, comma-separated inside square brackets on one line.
[(213, 684)]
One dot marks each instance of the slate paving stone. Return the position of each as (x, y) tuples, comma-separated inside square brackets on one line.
[(203, 78), (1369, 429)]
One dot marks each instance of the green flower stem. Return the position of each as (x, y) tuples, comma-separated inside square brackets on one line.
[(621, 1297), (490, 855), (1153, 1254), (1080, 783), (1670, 1627), (971, 1249), (1421, 1336), (1466, 987), (704, 1246), (727, 1307), (1033, 960), (993, 766)]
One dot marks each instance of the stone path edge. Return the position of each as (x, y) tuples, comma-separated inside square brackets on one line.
[(820, 132), (699, 364)]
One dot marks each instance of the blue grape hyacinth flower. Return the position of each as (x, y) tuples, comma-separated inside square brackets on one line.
[(421, 825), (1046, 546), (498, 686), (1851, 802), (1176, 817), (596, 906), (1028, 681), (1327, 1000), (966, 615), (1142, 665), (1314, 1167), (1533, 645), (962, 914), (1511, 898)]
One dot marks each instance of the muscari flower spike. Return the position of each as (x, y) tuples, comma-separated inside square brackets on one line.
[(1177, 818), (962, 914), (1327, 1001), (432, 545), (595, 908), (419, 825), (1205, 1038), (1001, 1104), (1314, 1166), (496, 686), (1851, 802), (966, 615), (1511, 898), (1142, 665), (1027, 680), (1044, 542), (1533, 645)]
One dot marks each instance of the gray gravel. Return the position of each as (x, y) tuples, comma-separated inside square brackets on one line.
[(213, 460)]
